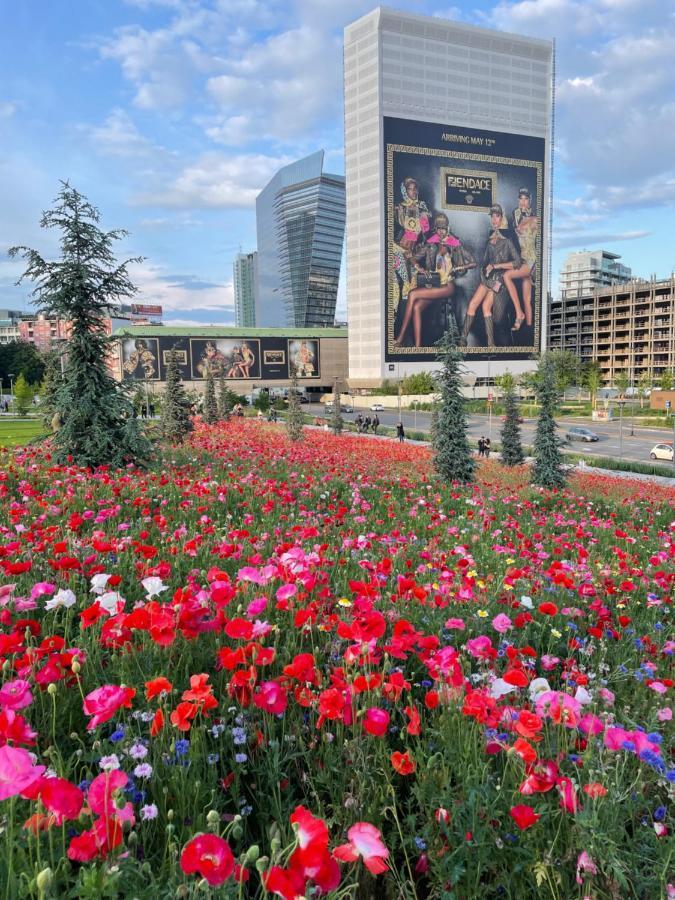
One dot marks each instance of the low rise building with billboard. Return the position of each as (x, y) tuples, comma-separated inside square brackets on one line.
[(447, 160), (248, 358)]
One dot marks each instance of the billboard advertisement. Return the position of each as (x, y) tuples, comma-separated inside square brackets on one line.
[(236, 359), (464, 240)]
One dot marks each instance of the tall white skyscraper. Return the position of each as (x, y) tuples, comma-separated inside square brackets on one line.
[(245, 286), (447, 160)]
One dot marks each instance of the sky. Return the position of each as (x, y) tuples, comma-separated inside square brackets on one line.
[(171, 115)]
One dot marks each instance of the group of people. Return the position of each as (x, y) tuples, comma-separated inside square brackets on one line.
[(366, 424), (235, 365), (427, 260), (484, 447)]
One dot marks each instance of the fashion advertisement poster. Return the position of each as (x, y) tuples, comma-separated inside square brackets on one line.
[(140, 358), (304, 358), (463, 240), (232, 358)]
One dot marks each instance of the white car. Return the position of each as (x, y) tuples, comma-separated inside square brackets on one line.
[(377, 407), (662, 451)]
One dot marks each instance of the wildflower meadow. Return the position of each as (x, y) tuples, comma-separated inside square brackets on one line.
[(274, 669)]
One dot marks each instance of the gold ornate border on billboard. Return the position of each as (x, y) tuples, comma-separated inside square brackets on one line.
[(401, 352)]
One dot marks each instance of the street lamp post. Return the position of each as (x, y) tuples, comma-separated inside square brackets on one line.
[(621, 402), (11, 376)]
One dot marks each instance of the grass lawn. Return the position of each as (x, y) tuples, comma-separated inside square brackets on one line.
[(14, 432)]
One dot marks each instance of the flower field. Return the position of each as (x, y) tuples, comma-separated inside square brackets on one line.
[(274, 669)]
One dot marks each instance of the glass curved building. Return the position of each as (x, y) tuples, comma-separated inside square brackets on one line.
[(300, 222)]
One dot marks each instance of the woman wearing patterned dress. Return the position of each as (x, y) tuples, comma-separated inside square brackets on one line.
[(439, 262), (526, 226), (412, 225)]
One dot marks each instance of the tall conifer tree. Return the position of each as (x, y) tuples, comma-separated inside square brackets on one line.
[(84, 288), (512, 448), (210, 404), (175, 420), (294, 415), (547, 470), (452, 451)]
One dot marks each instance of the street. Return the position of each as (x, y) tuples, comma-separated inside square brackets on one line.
[(611, 444)]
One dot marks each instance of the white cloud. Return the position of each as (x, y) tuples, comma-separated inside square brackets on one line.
[(218, 181), (118, 136), (596, 239), (156, 285)]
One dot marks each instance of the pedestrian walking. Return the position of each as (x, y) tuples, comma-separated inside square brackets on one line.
[(481, 446), (152, 410), (400, 433), (376, 424), (487, 447), (367, 424)]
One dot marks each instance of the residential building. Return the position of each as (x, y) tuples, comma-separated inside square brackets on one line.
[(9, 325), (449, 107), (245, 284), (300, 222), (625, 327), (584, 270)]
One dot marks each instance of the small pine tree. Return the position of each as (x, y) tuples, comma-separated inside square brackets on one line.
[(336, 421), (23, 396), (452, 451), (210, 404), (512, 448), (84, 287), (225, 398), (547, 470), (175, 417), (294, 416)]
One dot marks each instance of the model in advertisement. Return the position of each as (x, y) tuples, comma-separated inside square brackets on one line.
[(140, 357), (500, 256), (212, 360), (303, 360), (442, 259), (526, 227), (412, 225)]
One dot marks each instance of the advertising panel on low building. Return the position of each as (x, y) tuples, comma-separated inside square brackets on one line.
[(229, 357), (140, 358), (463, 240)]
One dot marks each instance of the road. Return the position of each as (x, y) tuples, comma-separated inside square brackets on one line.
[(635, 447)]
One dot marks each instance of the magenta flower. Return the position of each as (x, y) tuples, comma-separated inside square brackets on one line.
[(17, 771)]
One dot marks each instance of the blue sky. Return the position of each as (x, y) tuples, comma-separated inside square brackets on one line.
[(170, 115)]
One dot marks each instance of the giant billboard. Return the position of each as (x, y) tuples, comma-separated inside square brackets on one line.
[(266, 359), (464, 240)]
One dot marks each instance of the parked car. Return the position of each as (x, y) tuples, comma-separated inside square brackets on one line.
[(520, 419), (302, 398), (377, 407), (347, 409), (581, 434), (662, 451)]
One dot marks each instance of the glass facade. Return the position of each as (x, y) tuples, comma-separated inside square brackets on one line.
[(300, 218), (245, 281)]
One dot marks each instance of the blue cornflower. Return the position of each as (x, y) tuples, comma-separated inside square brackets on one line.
[(213, 758), (182, 747), (420, 844), (660, 813), (240, 757), (238, 736), (658, 626), (117, 735), (655, 737)]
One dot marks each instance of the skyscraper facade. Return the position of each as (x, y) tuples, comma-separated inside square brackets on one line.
[(245, 282), (300, 222), (586, 270)]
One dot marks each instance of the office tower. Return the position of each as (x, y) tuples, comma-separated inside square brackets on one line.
[(245, 280), (300, 222), (585, 270)]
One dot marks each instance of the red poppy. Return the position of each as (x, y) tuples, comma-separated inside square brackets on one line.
[(210, 856), (376, 721), (524, 816), (403, 763)]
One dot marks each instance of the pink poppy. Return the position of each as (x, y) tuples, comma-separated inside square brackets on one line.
[(104, 702), (17, 771), (210, 856), (15, 695), (366, 841), (271, 698), (376, 721)]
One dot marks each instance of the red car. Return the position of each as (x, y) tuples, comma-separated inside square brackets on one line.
[(520, 419)]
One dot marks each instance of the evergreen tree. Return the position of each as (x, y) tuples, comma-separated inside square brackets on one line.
[(83, 287), (294, 416), (23, 396), (512, 448), (49, 388), (452, 452), (547, 470), (210, 404), (336, 420), (226, 398), (175, 416)]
